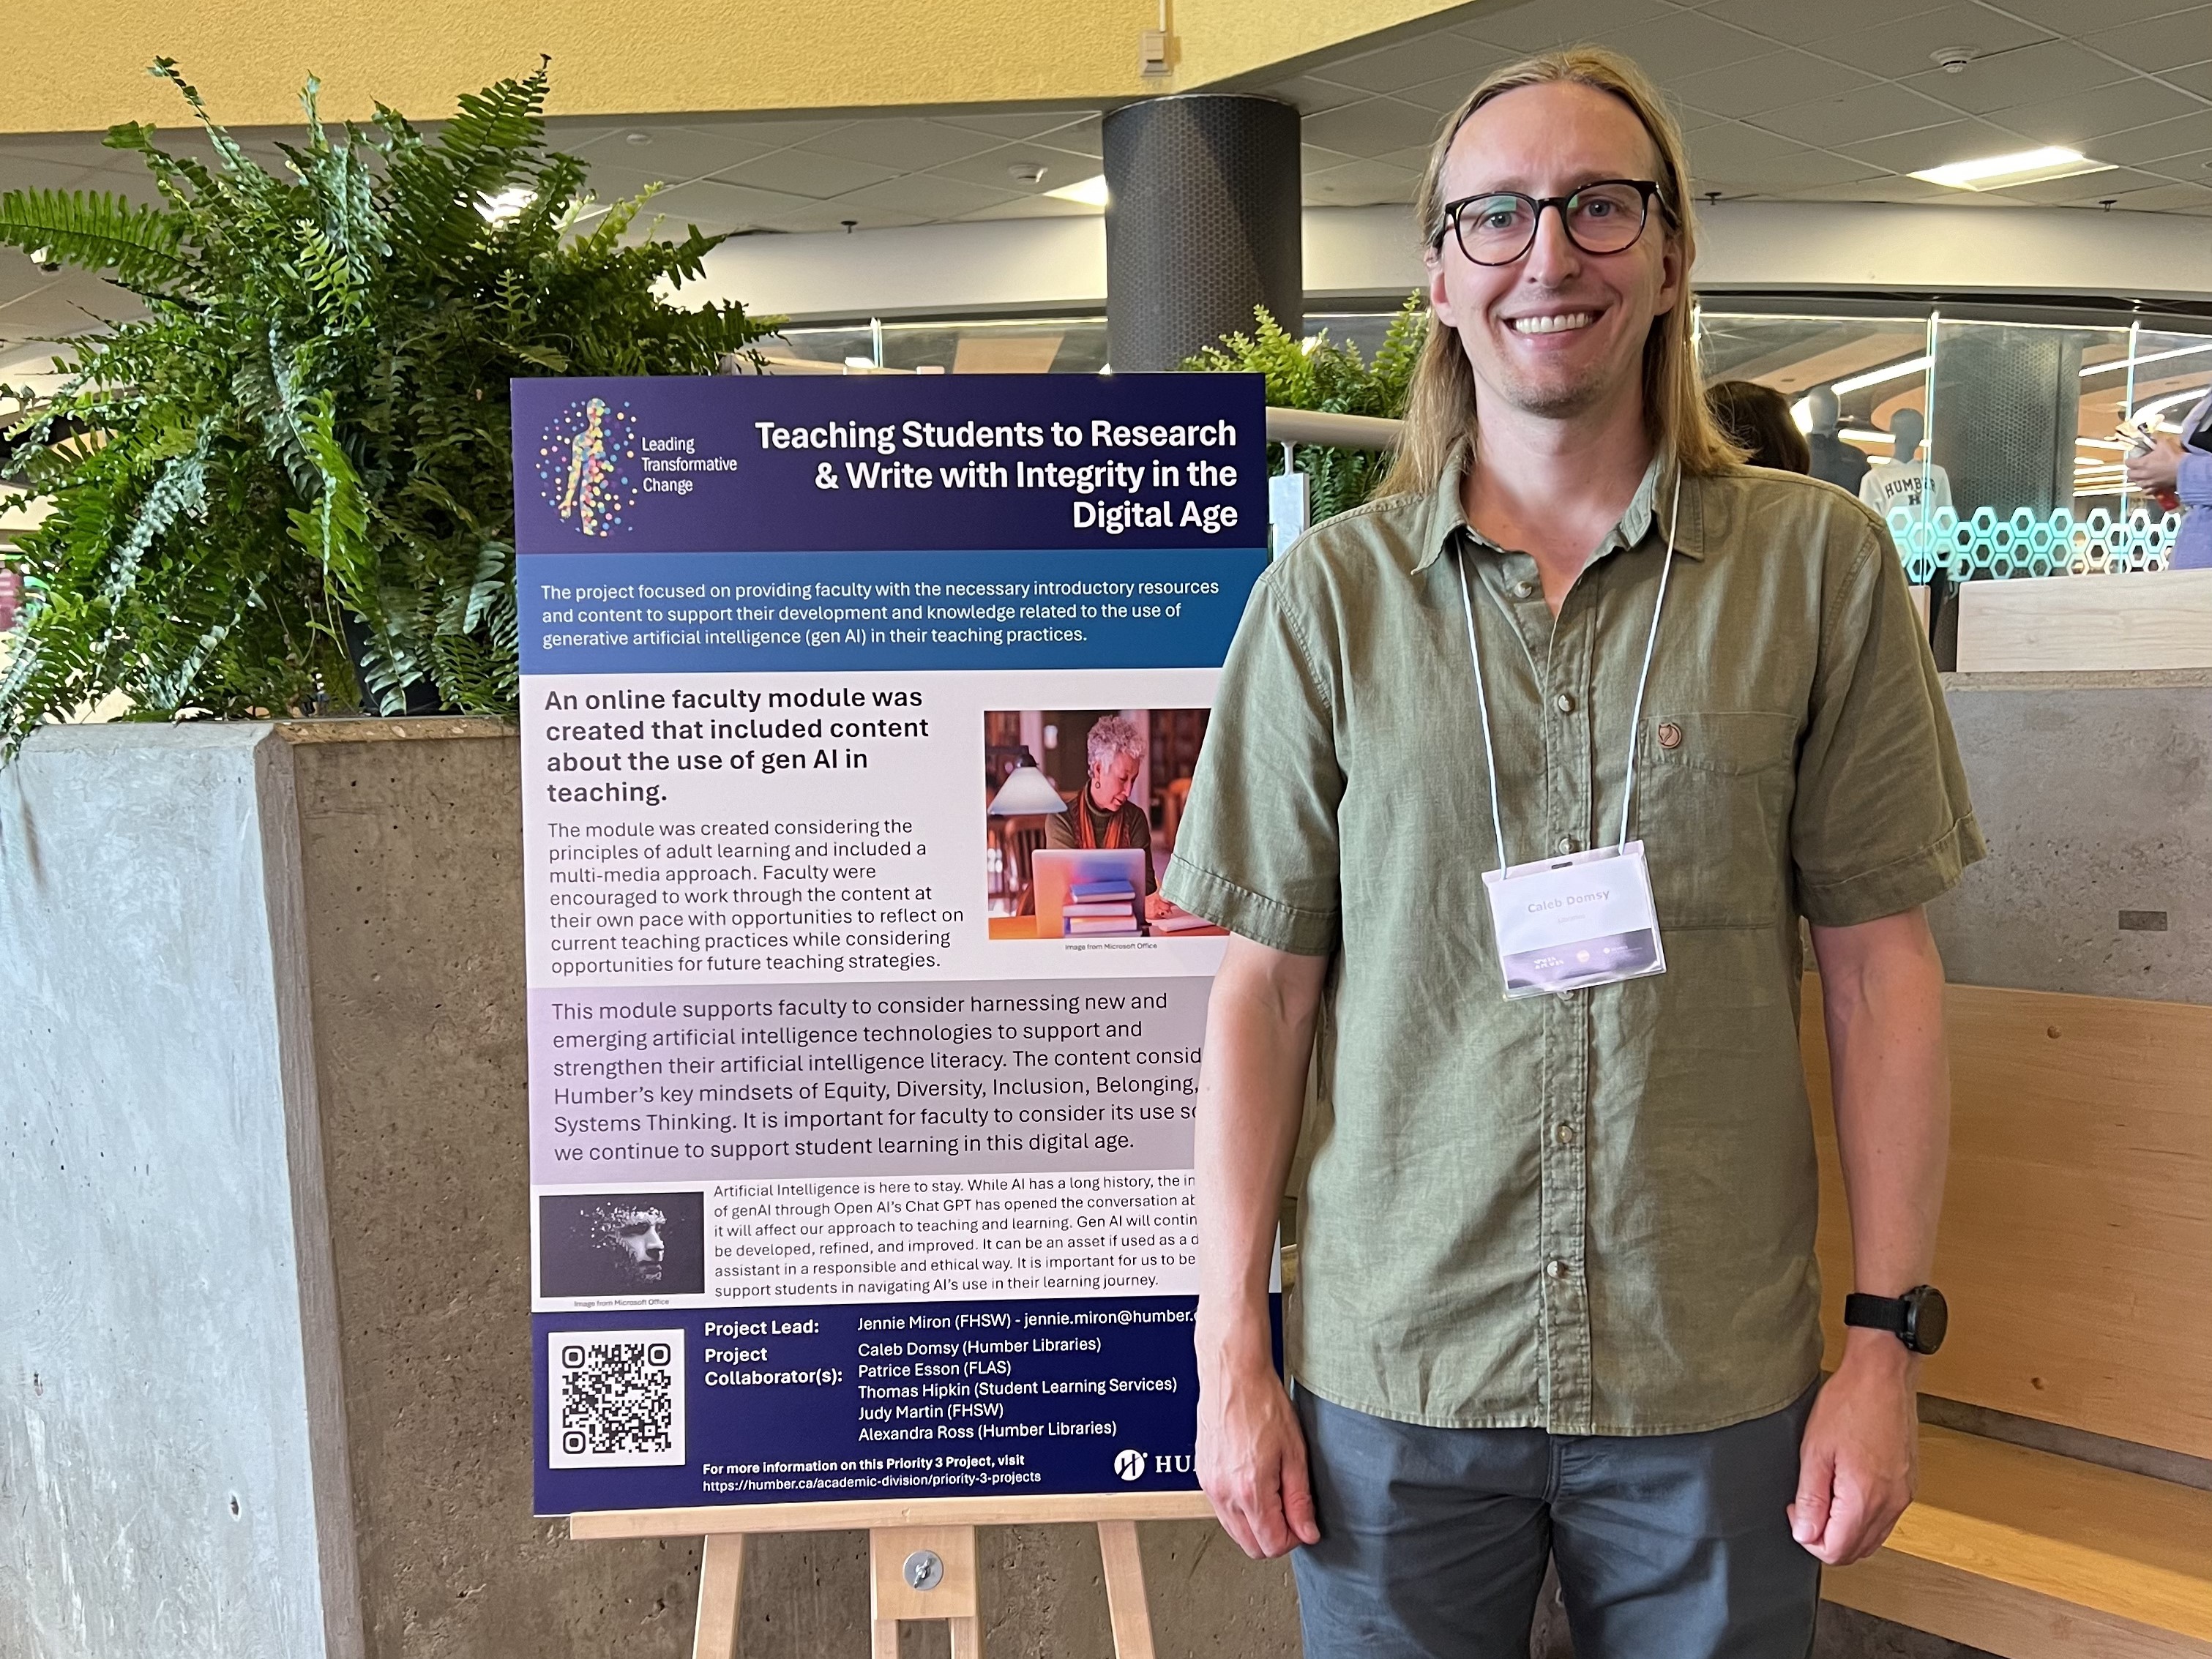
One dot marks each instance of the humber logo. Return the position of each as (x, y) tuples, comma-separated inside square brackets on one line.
[(1130, 1463)]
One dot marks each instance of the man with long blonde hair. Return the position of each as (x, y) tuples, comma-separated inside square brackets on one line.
[(1518, 782)]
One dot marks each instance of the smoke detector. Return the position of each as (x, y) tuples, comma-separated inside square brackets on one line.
[(1029, 173), (1952, 59)]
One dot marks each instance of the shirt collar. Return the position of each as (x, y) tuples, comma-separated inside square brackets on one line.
[(1444, 515)]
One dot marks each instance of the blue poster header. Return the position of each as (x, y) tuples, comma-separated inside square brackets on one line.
[(743, 464)]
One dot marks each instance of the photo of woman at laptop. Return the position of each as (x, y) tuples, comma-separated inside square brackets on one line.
[(1083, 806)]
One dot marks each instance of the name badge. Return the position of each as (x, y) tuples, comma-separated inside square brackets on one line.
[(1565, 924)]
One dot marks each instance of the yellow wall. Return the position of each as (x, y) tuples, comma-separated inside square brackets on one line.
[(79, 65)]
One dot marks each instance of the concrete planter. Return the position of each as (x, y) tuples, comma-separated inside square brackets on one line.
[(263, 1340)]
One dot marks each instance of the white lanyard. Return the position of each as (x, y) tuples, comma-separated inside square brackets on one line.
[(1642, 679)]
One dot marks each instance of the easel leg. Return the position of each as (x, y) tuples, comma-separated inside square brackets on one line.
[(1125, 1589), (721, 1584), (944, 1559)]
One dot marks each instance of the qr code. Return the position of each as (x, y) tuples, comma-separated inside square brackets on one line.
[(615, 1399)]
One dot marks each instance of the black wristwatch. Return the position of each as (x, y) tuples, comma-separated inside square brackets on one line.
[(1917, 1319)]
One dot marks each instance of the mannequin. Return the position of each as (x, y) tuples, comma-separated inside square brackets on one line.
[(1903, 481), (1839, 463)]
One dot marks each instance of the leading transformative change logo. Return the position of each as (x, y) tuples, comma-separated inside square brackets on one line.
[(588, 468)]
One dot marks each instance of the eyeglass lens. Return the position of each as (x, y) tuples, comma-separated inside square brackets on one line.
[(1495, 230)]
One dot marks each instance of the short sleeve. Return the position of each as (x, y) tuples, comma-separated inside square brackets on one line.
[(1882, 822), (1257, 849)]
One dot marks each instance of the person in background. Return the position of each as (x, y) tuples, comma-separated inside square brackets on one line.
[(1757, 418), (1841, 463), (1103, 815), (2182, 467)]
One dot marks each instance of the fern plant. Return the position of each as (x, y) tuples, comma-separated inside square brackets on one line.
[(288, 485), (1334, 377)]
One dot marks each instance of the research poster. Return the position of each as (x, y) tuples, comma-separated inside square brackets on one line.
[(859, 717)]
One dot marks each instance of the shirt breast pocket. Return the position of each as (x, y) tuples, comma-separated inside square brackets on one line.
[(1715, 813)]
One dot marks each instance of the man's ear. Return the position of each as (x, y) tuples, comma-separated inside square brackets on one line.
[(1440, 303)]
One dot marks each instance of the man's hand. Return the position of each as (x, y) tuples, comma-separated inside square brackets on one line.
[(1857, 1466), (1252, 1459)]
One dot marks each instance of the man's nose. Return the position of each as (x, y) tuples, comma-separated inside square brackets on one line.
[(1553, 256)]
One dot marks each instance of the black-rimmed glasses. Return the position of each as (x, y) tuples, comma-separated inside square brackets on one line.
[(1499, 226)]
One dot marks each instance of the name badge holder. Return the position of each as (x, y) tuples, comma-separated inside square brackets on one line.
[(1566, 924)]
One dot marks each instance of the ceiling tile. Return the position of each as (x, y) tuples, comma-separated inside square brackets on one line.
[(1556, 22), (1033, 207), (2195, 77), (2155, 42), (1902, 46), (1312, 94), (1772, 81), (714, 207), (21, 171), (2188, 169), (775, 134), (1410, 62), (1076, 138), (674, 154), (2073, 17), (2029, 76), (903, 142), (1443, 95), (1734, 151), (1029, 125), (993, 168), (1686, 42), (2081, 118), (1934, 147), (1867, 111), (1312, 158), (1890, 189), (806, 172), (2183, 135), (2085, 190), (2170, 198), (1360, 183), (1802, 25), (926, 193), (68, 149), (1371, 128), (831, 215), (1689, 119)]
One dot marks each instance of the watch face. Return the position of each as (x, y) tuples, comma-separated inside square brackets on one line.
[(1927, 1316)]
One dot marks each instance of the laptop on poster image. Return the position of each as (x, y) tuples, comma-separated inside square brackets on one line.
[(1089, 892)]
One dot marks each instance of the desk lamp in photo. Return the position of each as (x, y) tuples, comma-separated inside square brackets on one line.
[(1026, 794)]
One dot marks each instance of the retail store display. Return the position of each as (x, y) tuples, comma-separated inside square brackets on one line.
[(1906, 480)]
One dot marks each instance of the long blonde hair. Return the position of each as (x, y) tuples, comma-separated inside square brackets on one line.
[(1440, 404)]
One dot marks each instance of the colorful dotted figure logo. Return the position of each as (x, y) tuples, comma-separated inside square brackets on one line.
[(587, 466)]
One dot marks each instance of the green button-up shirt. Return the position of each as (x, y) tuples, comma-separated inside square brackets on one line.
[(1590, 1212)]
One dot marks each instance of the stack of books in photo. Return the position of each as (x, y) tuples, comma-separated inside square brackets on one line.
[(1095, 907)]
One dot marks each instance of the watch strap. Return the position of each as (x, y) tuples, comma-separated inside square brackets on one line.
[(1879, 1313)]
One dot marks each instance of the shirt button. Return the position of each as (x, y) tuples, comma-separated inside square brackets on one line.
[(1564, 702), (1566, 843), (1555, 1268), (1564, 1135), (1524, 590)]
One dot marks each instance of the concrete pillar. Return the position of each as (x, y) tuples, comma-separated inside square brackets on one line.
[(1201, 224)]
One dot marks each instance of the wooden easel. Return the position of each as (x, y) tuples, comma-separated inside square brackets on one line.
[(921, 1557)]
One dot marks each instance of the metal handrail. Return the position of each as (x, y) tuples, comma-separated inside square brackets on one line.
[(1312, 426)]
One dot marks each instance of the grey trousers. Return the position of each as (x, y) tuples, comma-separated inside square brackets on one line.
[(1669, 1547)]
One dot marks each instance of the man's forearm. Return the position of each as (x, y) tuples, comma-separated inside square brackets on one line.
[(1882, 987), (1251, 1095)]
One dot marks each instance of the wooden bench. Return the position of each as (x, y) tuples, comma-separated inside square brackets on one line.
[(2076, 1253)]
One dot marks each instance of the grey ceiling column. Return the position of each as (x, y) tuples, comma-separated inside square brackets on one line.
[(1201, 224)]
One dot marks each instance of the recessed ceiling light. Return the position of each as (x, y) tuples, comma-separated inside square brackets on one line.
[(637, 138), (506, 204), (1089, 193), (1886, 371), (2025, 166)]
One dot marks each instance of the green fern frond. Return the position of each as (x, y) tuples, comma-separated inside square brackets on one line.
[(96, 230)]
